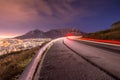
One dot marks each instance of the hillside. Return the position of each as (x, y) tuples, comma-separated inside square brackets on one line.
[(54, 33), (32, 34), (113, 33)]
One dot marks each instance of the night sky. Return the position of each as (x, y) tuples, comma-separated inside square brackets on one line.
[(20, 16)]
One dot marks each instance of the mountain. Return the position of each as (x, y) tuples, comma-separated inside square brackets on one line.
[(32, 34), (113, 33), (54, 33), (62, 32)]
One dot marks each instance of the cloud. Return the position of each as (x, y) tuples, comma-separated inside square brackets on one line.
[(26, 14), (45, 11)]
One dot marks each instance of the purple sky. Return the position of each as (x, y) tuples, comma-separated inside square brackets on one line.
[(19, 16)]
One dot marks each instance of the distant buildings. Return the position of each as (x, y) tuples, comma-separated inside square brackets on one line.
[(13, 45)]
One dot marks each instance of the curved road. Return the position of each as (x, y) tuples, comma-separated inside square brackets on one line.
[(105, 57), (75, 60)]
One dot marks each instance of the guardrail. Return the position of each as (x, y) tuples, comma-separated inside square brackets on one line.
[(28, 73)]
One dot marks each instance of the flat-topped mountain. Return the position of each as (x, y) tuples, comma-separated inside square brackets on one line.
[(54, 33)]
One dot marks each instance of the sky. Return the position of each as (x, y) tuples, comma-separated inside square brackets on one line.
[(20, 16)]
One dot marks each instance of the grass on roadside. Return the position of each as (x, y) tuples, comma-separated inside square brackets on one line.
[(13, 64)]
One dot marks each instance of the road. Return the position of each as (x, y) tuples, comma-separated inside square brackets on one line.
[(75, 60)]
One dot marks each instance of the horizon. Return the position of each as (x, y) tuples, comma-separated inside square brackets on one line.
[(5, 37), (21, 16)]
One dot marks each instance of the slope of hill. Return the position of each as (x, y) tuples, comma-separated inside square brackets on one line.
[(55, 33), (113, 33), (116, 24), (32, 34)]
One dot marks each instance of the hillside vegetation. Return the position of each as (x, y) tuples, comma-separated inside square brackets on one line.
[(12, 65), (112, 34)]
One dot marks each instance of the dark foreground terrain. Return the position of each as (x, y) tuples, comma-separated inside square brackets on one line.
[(13, 64)]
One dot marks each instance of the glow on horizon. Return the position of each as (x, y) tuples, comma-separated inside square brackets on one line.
[(3, 37)]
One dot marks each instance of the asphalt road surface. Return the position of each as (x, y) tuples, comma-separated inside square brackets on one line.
[(73, 60), (106, 57)]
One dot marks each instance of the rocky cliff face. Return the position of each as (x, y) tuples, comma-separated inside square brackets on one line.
[(55, 33)]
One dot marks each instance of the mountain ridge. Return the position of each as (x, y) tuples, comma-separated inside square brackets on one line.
[(54, 33)]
